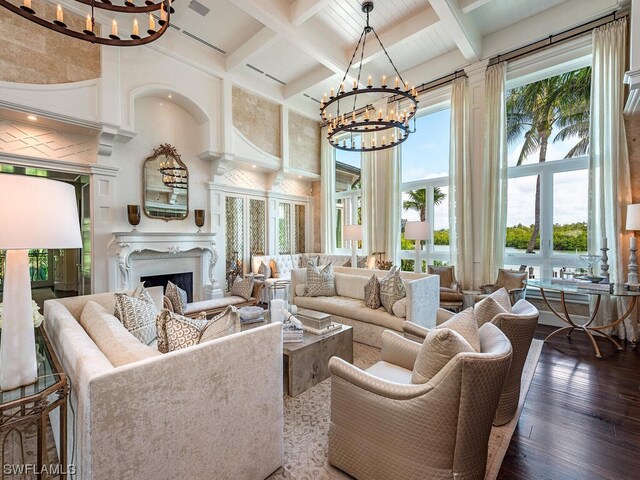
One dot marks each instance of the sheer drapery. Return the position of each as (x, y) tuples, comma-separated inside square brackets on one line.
[(327, 194), (609, 181), (495, 173), (370, 224), (460, 225), (391, 164)]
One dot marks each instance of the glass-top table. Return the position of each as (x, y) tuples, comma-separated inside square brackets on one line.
[(567, 287)]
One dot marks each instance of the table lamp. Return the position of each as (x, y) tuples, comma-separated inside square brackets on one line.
[(34, 213), (417, 231), (633, 223), (353, 233)]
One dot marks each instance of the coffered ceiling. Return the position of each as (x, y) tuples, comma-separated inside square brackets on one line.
[(298, 49)]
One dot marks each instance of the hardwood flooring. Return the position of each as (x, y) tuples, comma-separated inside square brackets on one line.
[(581, 419)]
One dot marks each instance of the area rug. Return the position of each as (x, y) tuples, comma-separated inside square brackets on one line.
[(306, 425)]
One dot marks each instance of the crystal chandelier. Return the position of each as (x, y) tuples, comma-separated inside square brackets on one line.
[(159, 13), (392, 126)]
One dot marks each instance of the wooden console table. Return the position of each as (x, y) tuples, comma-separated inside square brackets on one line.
[(30, 405), (566, 288)]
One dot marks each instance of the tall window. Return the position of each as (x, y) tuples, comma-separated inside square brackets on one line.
[(425, 190), (348, 192), (548, 138)]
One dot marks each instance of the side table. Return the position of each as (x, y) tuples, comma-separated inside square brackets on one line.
[(31, 405), (469, 298)]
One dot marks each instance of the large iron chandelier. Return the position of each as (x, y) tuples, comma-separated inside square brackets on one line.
[(391, 127), (156, 13)]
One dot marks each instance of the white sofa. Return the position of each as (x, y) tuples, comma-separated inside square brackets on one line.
[(288, 262), (349, 307), (214, 410)]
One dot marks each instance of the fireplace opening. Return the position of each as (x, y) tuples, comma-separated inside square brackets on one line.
[(182, 280)]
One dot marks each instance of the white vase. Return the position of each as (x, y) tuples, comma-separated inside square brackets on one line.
[(18, 364)]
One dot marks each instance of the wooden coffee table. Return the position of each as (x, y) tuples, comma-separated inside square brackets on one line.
[(307, 363)]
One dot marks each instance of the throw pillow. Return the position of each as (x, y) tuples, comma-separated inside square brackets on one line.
[(137, 314), (225, 323), (177, 296), (503, 298), (242, 287), (320, 282), (466, 325), (264, 269), (400, 308), (301, 290), (439, 347), (275, 273), (176, 332), (391, 289), (372, 293), (362, 261), (487, 309), (305, 259)]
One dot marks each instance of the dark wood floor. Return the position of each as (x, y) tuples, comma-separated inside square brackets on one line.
[(581, 419)]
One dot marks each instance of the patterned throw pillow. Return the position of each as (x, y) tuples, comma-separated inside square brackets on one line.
[(264, 269), (221, 325), (440, 346), (177, 296), (391, 289), (362, 261), (466, 325), (137, 314), (372, 293), (176, 332), (305, 259), (487, 309), (275, 273), (320, 282), (242, 287)]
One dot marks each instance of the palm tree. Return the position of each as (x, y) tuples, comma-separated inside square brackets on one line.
[(534, 110), (418, 201)]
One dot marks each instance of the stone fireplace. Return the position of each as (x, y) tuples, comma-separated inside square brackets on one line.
[(135, 255)]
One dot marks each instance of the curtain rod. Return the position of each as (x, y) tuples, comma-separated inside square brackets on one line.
[(558, 38)]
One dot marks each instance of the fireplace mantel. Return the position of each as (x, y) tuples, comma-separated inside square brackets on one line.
[(136, 254)]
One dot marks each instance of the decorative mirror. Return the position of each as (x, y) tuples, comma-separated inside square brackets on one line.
[(165, 185)]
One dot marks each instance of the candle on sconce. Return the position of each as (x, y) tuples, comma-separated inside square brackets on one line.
[(353, 116), (373, 141), (59, 14), (604, 242), (152, 23), (88, 24), (366, 114), (136, 30), (163, 14), (114, 28), (368, 80), (406, 85), (397, 82), (384, 140), (384, 80), (393, 138), (324, 99), (342, 88), (380, 114), (355, 84), (331, 94), (27, 3)]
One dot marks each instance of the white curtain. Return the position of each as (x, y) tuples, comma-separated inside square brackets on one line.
[(370, 215), (391, 163), (460, 224), (327, 194), (495, 173), (609, 182)]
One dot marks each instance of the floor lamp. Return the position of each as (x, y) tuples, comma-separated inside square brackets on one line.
[(353, 233), (34, 213), (417, 231)]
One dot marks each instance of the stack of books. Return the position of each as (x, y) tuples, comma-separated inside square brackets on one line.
[(292, 333), (314, 322), (587, 285)]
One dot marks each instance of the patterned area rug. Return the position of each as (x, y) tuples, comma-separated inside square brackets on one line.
[(306, 425)]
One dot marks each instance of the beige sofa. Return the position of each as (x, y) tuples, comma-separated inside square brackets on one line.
[(349, 307), (214, 410)]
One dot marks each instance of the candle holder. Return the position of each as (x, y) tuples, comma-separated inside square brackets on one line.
[(199, 218), (133, 215), (604, 265)]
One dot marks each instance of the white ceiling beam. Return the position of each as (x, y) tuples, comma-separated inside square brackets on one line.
[(435, 68), (467, 6), (302, 10), (309, 80), (256, 45), (399, 34), (462, 30), (554, 20)]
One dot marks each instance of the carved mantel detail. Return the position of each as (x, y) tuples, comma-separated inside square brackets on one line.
[(127, 247)]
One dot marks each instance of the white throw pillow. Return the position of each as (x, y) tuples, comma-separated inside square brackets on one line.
[(466, 325), (400, 308), (440, 346), (264, 269)]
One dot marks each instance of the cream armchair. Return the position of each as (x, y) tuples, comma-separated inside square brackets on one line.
[(382, 426), (519, 326), (513, 281)]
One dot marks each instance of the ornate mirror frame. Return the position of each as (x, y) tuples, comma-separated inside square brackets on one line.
[(171, 179)]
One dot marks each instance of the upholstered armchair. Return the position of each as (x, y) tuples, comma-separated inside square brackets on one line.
[(451, 296), (383, 426), (512, 281), (519, 326)]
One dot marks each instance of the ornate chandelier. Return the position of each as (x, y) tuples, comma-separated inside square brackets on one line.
[(393, 124), (174, 173), (159, 12)]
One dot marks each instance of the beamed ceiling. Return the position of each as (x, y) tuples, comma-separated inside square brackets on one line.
[(294, 51)]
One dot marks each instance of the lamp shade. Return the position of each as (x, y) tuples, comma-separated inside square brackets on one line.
[(633, 217), (416, 231), (352, 232), (37, 212)]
